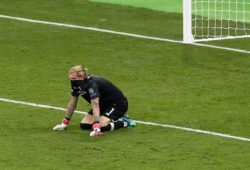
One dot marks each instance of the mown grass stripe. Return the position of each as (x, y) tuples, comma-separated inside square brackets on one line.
[(120, 33), (138, 121)]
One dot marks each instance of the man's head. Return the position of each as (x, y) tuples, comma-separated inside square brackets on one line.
[(78, 72)]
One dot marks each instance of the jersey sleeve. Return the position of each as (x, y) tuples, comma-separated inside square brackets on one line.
[(93, 91)]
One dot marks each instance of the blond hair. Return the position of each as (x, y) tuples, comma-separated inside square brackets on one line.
[(81, 70)]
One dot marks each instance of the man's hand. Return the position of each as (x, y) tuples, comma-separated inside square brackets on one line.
[(96, 130), (61, 126)]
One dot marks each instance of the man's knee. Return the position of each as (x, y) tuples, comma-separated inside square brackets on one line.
[(84, 126), (104, 121)]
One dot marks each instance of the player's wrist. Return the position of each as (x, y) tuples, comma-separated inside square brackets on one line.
[(96, 126), (66, 121)]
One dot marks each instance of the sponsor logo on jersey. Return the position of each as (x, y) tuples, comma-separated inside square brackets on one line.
[(81, 92), (92, 93)]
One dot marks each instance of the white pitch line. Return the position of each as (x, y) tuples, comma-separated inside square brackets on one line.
[(120, 33), (138, 121)]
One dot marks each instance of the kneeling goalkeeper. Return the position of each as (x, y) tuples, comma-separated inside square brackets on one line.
[(109, 105)]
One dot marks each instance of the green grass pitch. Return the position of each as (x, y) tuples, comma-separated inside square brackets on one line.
[(169, 83), (176, 6)]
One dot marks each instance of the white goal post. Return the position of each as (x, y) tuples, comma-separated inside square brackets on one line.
[(207, 20)]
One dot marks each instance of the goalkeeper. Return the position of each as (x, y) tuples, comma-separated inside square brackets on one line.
[(109, 105)]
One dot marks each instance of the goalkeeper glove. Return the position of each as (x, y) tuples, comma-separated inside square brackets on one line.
[(96, 129), (63, 125)]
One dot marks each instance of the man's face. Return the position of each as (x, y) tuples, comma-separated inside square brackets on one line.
[(73, 75)]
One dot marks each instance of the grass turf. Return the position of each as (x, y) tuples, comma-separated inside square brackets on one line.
[(29, 143), (166, 83), (176, 6), (160, 5)]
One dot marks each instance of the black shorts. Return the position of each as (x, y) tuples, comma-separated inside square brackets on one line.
[(115, 111)]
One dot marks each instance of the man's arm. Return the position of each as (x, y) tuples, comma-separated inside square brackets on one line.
[(96, 108), (96, 113), (71, 107), (69, 113)]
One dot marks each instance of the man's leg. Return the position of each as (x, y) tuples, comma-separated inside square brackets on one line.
[(109, 125), (106, 123), (87, 122)]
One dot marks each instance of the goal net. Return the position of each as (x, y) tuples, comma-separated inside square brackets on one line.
[(206, 20)]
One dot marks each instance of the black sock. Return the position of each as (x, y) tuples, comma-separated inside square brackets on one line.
[(84, 126), (114, 125)]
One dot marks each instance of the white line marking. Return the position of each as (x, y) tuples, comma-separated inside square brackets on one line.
[(138, 121), (119, 33), (37, 105)]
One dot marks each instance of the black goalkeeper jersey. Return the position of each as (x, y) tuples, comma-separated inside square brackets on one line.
[(93, 87)]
